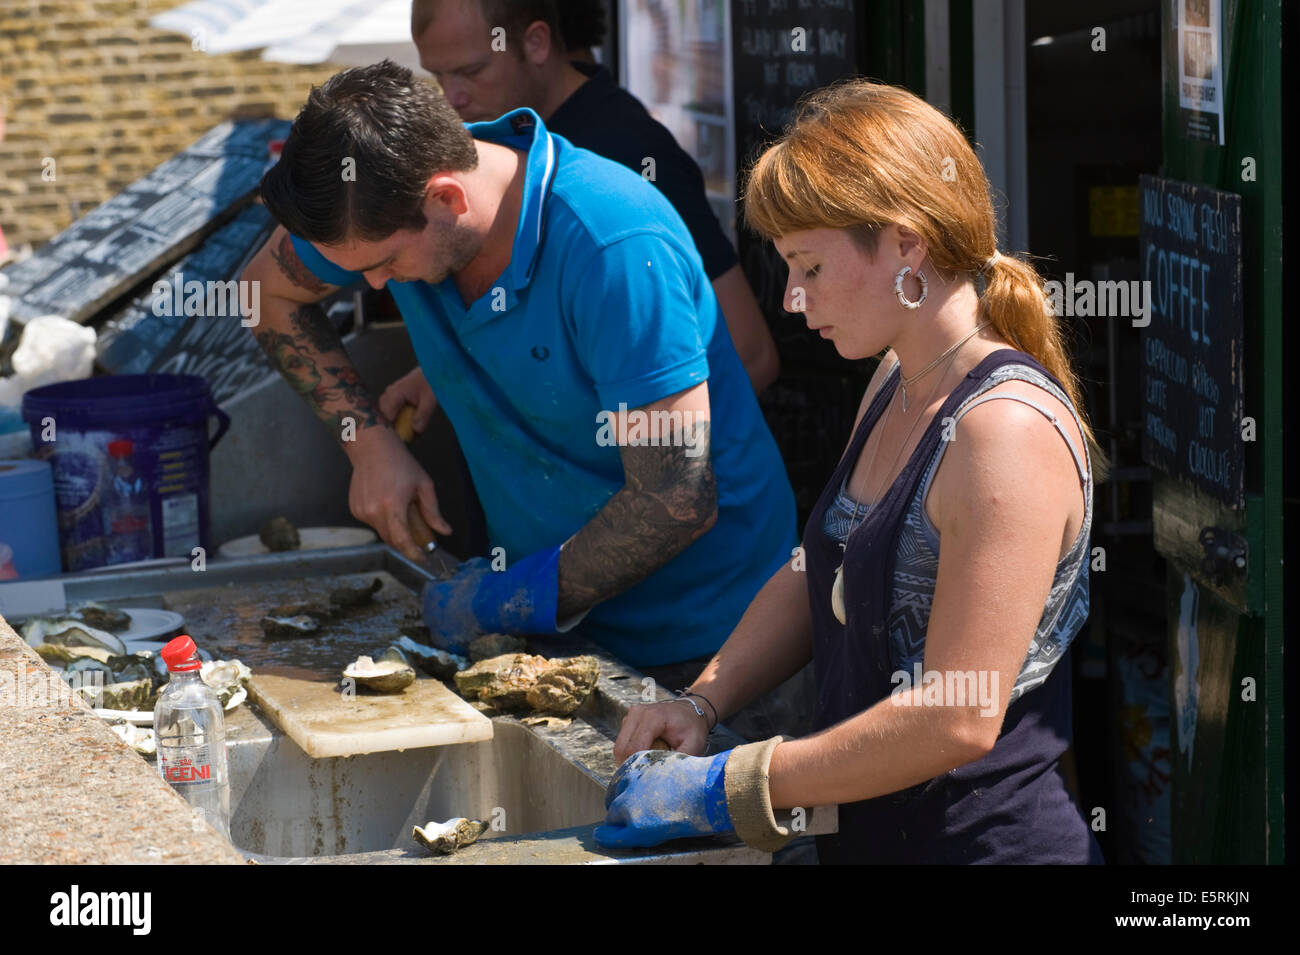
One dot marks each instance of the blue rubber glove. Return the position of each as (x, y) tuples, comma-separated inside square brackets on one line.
[(479, 600), (658, 795)]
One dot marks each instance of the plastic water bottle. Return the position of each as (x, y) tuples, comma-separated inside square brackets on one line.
[(190, 730), (126, 508)]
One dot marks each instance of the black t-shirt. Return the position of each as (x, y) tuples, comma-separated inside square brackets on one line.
[(611, 122)]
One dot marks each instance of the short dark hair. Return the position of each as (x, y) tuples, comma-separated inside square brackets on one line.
[(582, 23), (397, 130), (517, 15), (514, 15)]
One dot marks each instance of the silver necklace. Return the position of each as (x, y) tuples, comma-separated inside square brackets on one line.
[(837, 588), (920, 374)]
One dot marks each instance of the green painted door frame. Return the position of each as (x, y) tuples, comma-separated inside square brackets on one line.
[(1227, 797)]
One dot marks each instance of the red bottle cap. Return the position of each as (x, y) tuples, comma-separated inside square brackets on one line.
[(181, 655), (120, 448)]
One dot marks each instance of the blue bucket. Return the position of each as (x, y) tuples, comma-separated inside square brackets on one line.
[(158, 426)]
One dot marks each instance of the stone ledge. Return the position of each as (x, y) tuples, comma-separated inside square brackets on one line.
[(71, 792)]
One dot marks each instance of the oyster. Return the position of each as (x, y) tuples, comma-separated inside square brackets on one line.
[(227, 677), (318, 611), (349, 598), (562, 689), (494, 645), (134, 695), (104, 618), (70, 633), (435, 662), (84, 665), (279, 628), (519, 681), (139, 738), (279, 534), (386, 676), (444, 838), (55, 653)]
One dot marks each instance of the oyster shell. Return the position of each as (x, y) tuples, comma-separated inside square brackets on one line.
[(280, 628), (435, 662), (227, 677), (564, 688), (104, 618), (386, 676), (139, 738), (279, 534), (521, 681), (349, 598), (134, 695), (55, 653), (70, 633), (444, 838)]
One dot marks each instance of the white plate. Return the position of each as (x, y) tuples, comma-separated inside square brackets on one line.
[(313, 538), (149, 624)]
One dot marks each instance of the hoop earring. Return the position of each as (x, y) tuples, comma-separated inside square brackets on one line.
[(898, 288)]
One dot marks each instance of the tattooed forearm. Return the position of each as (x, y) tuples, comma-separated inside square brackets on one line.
[(669, 500), (334, 390), (294, 270)]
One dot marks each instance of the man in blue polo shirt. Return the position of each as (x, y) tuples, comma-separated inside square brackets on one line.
[(560, 311)]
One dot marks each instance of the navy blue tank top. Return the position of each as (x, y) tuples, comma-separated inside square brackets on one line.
[(1011, 805)]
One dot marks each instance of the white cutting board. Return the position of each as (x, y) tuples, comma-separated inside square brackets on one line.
[(316, 716)]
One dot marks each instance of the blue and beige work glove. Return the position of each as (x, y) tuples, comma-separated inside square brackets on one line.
[(478, 600), (656, 796)]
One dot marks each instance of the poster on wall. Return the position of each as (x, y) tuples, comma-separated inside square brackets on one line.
[(1200, 69)]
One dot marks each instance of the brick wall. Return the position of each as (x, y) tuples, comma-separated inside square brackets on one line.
[(89, 84)]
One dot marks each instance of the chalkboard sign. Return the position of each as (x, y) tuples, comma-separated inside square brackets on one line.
[(782, 49), (150, 335), (1191, 360), (153, 221)]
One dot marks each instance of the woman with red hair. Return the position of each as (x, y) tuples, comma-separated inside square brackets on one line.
[(944, 572)]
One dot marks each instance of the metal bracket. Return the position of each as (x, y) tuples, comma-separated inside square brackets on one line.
[(1225, 554)]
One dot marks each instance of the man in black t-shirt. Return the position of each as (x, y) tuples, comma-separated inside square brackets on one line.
[(492, 56)]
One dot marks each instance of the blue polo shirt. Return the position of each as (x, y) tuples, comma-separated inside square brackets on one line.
[(604, 303)]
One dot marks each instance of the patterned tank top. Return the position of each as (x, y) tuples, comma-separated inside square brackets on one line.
[(916, 565)]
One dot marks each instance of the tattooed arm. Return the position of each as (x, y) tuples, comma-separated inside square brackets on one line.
[(304, 347), (670, 499), (302, 343)]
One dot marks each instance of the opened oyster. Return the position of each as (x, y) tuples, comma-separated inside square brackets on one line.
[(70, 633), (444, 838), (279, 628), (139, 738), (383, 676), (435, 662), (104, 618), (227, 677), (55, 653)]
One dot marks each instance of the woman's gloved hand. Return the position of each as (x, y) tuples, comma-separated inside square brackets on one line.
[(478, 600), (658, 795)]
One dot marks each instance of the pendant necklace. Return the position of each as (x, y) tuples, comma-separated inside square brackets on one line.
[(837, 588)]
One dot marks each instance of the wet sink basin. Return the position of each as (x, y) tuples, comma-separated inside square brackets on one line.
[(286, 804)]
